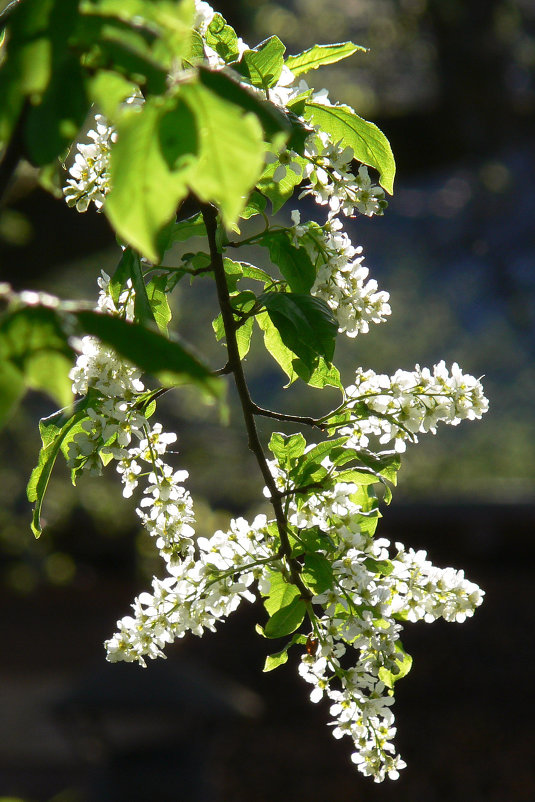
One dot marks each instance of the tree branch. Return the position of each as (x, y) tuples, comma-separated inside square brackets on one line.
[(235, 364)]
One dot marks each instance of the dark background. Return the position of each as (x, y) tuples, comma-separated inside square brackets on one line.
[(452, 85)]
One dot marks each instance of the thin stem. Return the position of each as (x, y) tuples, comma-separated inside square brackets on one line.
[(210, 220), (252, 239), (268, 413), (223, 371)]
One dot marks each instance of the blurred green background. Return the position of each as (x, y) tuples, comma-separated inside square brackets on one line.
[(451, 83)]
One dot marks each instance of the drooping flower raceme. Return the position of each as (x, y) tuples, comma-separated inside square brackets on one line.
[(355, 653), (90, 179), (117, 429), (197, 592), (341, 276), (396, 408)]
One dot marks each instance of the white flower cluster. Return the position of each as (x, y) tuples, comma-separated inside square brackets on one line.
[(197, 593), (341, 276), (117, 429), (353, 650), (90, 178), (332, 183), (409, 402), (326, 164), (326, 167)]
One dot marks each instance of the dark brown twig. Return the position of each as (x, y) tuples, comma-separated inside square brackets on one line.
[(248, 408)]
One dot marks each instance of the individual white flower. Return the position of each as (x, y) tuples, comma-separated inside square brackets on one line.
[(286, 160)]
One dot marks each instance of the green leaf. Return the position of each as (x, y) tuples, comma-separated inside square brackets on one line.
[(280, 593), (322, 375), (159, 304), (403, 663), (274, 345), (108, 90), (275, 660), (306, 324), (359, 477), (279, 192), (233, 273), (153, 353), (168, 23), (317, 573), (286, 620), (314, 457), (319, 374), (312, 540), (191, 227), (54, 431), (150, 165), (278, 125), (263, 65), (231, 151), (142, 306), (40, 66), (195, 56), (129, 267), (34, 343), (122, 273), (319, 55), (386, 464), (12, 390), (255, 205), (287, 447), (383, 567), (251, 271), (370, 146), (53, 122), (294, 263), (26, 68), (222, 38), (112, 44), (197, 261), (243, 337)]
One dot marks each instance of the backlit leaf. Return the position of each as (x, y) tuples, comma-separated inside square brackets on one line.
[(263, 65), (153, 353), (231, 151), (369, 144), (320, 55), (294, 263), (305, 324), (150, 166), (286, 619)]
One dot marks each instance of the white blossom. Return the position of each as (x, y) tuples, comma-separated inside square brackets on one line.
[(90, 178), (341, 276), (397, 408)]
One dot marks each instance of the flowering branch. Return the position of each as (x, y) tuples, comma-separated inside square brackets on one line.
[(212, 100)]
